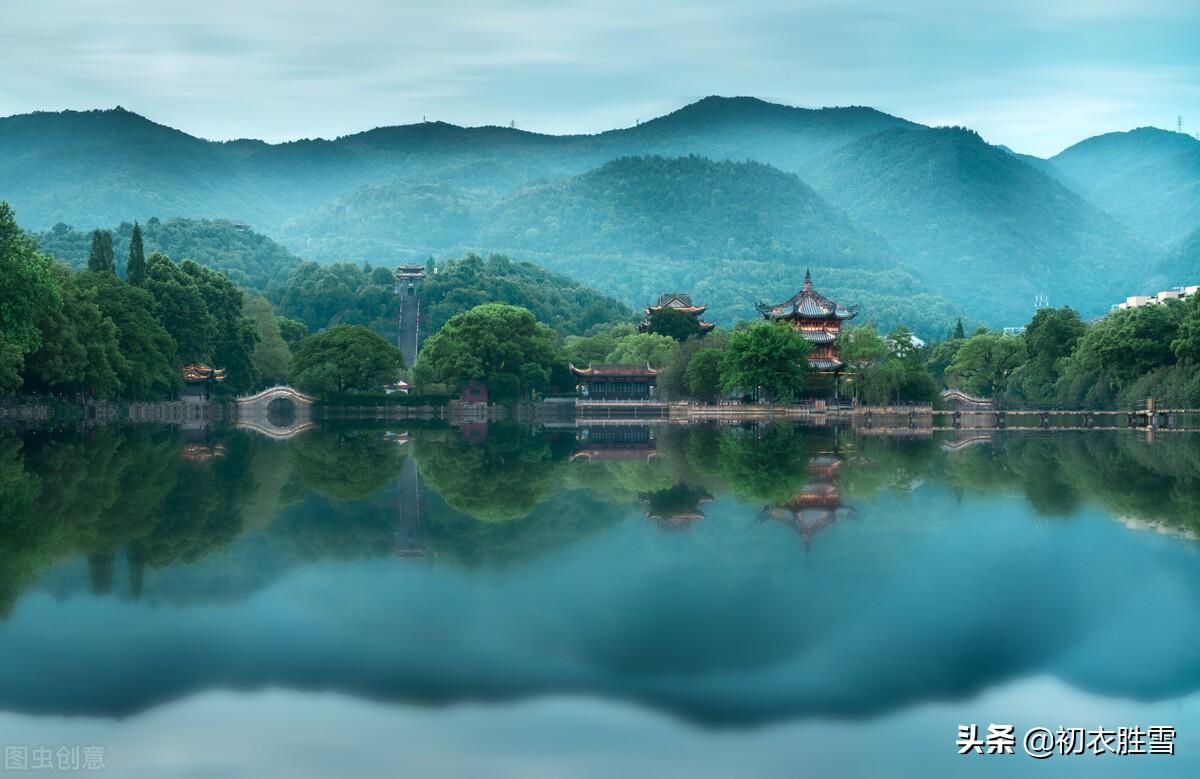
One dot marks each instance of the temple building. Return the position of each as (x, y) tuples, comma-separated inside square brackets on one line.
[(677, 301), (615, 382), (818, 505), (199, 379), (818, 319)]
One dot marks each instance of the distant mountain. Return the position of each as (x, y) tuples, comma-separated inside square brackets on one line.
[(98, 167), (252, 260), (980, 225), (1180, 265), (730, 231), (968, 219), (1147, 178)]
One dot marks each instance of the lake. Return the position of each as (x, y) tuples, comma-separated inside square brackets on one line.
[(651, 600)]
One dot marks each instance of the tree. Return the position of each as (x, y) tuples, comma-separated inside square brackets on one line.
[(985, 362), (79, 349), (101, 258), (345, 358), (135, 268), (27, 287), (12, 361), (180, 307), (291, 330), (1050, 337), (767, 356), (958, 329), (500, 345), (271, 353), (703, 375), (643, 349), (674, 323), (148, 349)]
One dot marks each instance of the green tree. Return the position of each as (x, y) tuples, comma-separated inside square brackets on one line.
[(79, 349), (771, 357), (959, 333), (1050, 337), (27, 287), (345, 358), (643, 348), (291, 330), (148, 350), (135, 268), (12, 361), (674, 324), (985, 362), (271, 353), (101, 259), (503, 346), (703, 375), (181, 309)]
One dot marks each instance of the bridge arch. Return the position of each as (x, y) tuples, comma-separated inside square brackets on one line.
[(280, 391)]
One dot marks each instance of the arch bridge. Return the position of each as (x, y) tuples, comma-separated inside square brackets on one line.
[(277, 412)]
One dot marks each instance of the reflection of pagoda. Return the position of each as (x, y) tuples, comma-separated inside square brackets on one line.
[(818, 319), (675, 508), (680, 302), (614, 442), (819, 504)]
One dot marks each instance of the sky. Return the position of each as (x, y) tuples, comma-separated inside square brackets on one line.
[(1036, 75)]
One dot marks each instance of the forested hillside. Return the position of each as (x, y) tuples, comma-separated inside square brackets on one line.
[(891, 197), (251, 259), (979, 225), (1147, 178)]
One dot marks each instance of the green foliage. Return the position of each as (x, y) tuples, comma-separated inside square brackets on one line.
[(12, 362), (643, 349), (324, 295), (769, 357), (599, 342), (345, 358), (79, 349), (984, 364), (27, 289), (251, 259), (345, 464), (703, 375), (504, 478), (1050, 338), (101, 258), (147, 371), (884, 370), (291, 330), (674, 324), (272, 356), (135, 268), (503, 346), (555, 300)]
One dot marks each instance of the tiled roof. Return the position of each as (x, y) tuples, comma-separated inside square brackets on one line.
[(198, 371), (824, 363), (807, 303), (599, 369), (818, 336)]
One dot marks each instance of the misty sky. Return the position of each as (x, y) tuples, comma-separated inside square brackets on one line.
[(1036, 75)]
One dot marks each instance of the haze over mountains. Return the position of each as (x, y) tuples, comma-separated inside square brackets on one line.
[(731, 198)]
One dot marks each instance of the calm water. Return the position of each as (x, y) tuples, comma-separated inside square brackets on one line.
[(655, 601)]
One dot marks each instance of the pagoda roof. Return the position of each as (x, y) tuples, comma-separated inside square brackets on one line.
[(198, 372), (807, 304), (818, 336), (824, 363), (604, 369), (680, 301)]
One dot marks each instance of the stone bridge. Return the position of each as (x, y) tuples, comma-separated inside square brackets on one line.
[(277, 412)]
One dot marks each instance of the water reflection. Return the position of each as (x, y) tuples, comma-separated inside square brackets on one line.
[(658, 565)]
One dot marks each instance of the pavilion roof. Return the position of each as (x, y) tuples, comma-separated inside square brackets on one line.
[(604, 369), (198, 371), (807, 304)]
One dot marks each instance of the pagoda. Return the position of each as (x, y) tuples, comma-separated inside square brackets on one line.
[(678, 301), (818, 319)]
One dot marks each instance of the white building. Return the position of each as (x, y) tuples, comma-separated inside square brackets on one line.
[(1175, 293)]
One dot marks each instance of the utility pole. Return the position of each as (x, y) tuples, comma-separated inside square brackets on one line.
[(1179, 124)]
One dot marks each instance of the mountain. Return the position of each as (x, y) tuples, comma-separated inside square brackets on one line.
[(732, 232), (97, 167), (1148, 178), (251, 259), (1180, 266), (978, 224), (890, 196)]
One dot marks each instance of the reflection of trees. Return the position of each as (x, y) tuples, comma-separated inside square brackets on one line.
[(345, 464), (321, 530), (110, 488), (503, 478), (767, 467)]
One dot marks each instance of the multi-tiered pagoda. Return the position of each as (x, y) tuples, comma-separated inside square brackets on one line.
[(818, 319), (679, 302)]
